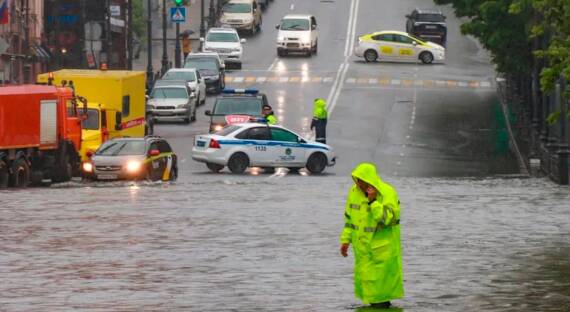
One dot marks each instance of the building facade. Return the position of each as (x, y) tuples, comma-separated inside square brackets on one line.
[(23, 53)]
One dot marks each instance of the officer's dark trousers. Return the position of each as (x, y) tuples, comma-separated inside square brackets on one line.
[(320, 126)]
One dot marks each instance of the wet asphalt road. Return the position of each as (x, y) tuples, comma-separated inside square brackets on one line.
[(476, 236)]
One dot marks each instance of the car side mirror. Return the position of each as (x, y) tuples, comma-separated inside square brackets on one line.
[(313, 27), (444, 17), (118, 121), (414, 43), (154, 152), (201, 39), (242, 40), (276, 26), (208, 113), (223, 66)]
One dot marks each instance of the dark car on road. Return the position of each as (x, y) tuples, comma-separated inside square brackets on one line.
[(236, 106), (149, 158), (428, 25), (210, 67)]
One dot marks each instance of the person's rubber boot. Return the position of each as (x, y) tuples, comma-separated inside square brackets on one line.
[(382, 305)]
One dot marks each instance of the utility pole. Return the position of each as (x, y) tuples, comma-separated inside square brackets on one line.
[(130, 35), (212, 15), (149, 70), (202, 26), (164, 55), (178, 4)]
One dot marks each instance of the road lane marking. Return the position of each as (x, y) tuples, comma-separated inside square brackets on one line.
[(305, 79), (451, 83), (261, 79), (228, 79), (352, 35), (440, 83), (328, 79), (385, 82), (408, 82), (292, 6), (238, 79), (283, 79), (351, 80), (485, 84), (250, 79), (474, 84), (349, 29), (462, 84), (395, 82), (362, 81), (272, 66), (372, 81), (317, 79), (294, 79)]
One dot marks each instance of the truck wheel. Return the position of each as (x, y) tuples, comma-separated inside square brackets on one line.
[(214, 167), (4, 175), (64, 170), (317, 163), (20, 173), (238, 163)]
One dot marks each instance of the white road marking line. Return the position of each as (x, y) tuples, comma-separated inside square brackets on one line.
[(418, 83), (273, 64), (395, 82), (339, 86), (351, 80), (335, 84), (353, 33), (283, 79), (328, 79), (349, 29), (305, 79), (372, 81), (462, 84), (485, 84), (238, 79), (440, 83), (261, 79)]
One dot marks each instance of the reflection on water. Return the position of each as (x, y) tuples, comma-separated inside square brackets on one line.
[(270, 243)]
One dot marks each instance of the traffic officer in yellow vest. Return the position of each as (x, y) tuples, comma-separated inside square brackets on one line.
[(269, 115), (372, 226), (319, 121)]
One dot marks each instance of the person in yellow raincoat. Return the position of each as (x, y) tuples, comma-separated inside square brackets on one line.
[(372, 226)]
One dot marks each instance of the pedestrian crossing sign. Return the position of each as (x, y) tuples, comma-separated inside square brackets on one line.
[(178, 14)]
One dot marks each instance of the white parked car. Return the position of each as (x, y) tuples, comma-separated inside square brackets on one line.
[(227, 43), (192, 76), (398, 46), (239, 146), (297, 33)]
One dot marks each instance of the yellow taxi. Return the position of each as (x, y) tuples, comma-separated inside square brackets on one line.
[(397, 46)]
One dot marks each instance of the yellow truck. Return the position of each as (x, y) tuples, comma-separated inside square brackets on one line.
[(116, 103)]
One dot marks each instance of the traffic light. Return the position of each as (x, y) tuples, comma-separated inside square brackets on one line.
[(179, 2)]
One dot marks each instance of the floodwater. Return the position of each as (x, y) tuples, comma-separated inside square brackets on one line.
[(270, 243)]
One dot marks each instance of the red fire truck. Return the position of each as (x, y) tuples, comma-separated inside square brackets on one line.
[(40, 134)]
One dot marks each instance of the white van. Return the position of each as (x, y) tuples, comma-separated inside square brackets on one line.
[(297, 33)]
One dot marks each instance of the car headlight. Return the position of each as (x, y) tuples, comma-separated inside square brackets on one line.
[(133, 166), (280, 39), (87, 167)]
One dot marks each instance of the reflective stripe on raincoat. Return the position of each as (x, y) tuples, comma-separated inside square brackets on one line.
[(374, 232)]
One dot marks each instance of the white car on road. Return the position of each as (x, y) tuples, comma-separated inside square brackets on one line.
[(239, 146), (399, 47), (195, 82), (297, 33), (225, 42)]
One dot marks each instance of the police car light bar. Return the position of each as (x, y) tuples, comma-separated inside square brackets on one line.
[(244, 91)]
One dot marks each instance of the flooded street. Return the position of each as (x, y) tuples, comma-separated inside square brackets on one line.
[(242, 243)]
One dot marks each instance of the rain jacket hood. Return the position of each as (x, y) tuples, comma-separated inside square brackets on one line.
[(367, 173), (320, 111)]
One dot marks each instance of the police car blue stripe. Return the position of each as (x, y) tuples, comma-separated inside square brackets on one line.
[(271, 143)]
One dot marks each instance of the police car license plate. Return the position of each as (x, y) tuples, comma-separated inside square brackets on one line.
[(201, 143), (107, 176)]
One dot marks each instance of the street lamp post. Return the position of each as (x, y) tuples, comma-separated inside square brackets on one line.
[(149, 73), (177, 47), (202, 26), (563, 146), (164, 54), (130, 35)]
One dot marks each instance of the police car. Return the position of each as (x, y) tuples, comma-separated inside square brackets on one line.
[(398, 46), (244, 145), (236, 106), (148, 158)]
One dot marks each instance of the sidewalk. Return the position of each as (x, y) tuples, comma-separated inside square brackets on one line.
[(192, 22)]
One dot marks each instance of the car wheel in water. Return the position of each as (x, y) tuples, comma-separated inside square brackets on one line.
[(238, 163), (20, 173), (64, 171), (214, 167), (317, 163), (426, 57), (370, 56), (4, 174), (270, 170), (294, 170)]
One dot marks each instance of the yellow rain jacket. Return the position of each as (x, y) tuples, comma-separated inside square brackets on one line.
[(374, 232)]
